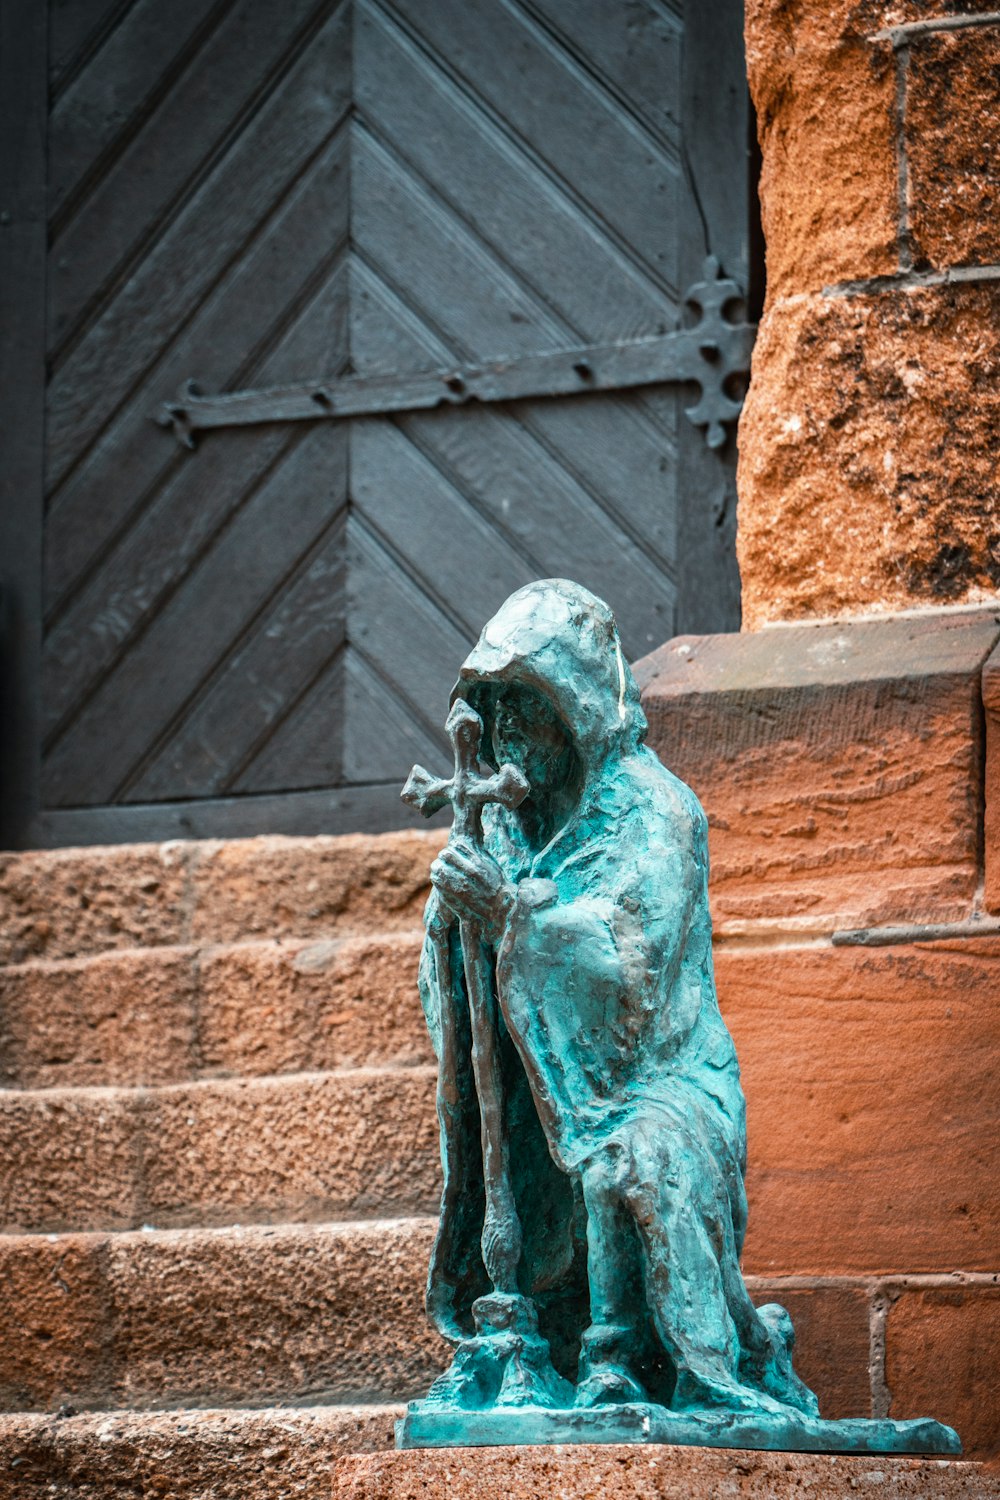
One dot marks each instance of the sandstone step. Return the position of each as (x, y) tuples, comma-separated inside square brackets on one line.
[(216, 1317), (657, 1472), (268, 1454), (298, 1147), (160, 1015), (334, 1313), (62, 903)]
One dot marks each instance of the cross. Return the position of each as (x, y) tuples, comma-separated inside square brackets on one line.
[(468, 791)]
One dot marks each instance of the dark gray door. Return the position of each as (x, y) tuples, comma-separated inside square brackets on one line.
[(259, 634)]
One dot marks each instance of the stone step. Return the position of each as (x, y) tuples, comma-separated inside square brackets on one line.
[(217, 1317), (321, 1313), (315, 1146), (62, 903), (620, 1471), (269, 1454), (165, 1015)]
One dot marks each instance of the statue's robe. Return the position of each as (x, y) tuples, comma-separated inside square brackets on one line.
[(618, 1067)]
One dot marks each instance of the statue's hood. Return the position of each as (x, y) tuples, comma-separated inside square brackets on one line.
[(561, 640)]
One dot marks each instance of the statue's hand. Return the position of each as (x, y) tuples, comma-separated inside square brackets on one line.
[(471, 883)]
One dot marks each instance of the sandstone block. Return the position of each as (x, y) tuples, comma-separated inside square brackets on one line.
[(276, 887), (65, 903), (991, 832), (270, 1454), (838, 766), (57, 903), (116, 1018), (869, 448), (952, 142), (618, 1472), (873, 1105), (319, 1146), (214, 1317), (54, 1316), (306, 1147), (825, 95), (296, 1006), (155, 1016), (330, 1312), (941, 1346), (69, 1159)]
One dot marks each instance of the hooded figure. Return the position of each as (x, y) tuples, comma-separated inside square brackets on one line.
[(623, 1107)]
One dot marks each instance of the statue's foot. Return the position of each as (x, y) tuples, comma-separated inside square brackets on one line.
[(608, 1385), (709, 1393), (780, 1378)]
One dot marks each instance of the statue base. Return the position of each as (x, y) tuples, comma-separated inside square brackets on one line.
[(427, 1425)]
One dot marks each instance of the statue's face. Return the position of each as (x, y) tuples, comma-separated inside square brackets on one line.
[(528, 732)]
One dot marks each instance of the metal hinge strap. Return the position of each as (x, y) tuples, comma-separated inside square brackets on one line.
[(711, 353)]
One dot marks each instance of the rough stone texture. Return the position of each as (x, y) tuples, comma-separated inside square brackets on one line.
[(69, 1159), (316, 1146), (125, 1017), (839, 767), (941, 1344), (64, 903), (315, 1312), (991, 830), (952, 140), (162, 1015), (278, 887), (873, 1105), (271, 1454), (53, 1312), (654, 1473), (280, 1007), (825, 97), (68, 901), (870, 453)]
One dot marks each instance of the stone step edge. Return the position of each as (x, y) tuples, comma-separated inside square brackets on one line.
[(97, 1093), (188, 1453), (334, 942), (302, 1147)]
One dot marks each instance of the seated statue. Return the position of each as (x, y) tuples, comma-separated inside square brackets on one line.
[(592, 1119)]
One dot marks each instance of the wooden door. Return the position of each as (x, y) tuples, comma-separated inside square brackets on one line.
[(259, 634)]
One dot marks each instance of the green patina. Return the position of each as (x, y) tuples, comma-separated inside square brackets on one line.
[(593, 1134)]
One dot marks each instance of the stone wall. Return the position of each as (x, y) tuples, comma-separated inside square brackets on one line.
[(870, 441)]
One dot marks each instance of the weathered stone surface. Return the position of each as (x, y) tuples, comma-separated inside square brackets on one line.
[(315, 1312), (317, 1146), (61, 902), (991, 819), (579, 1472), (54, 1316), (269, 1454), (69, 1159), (825, 97), (276, 887), (869, 447), (126, 1017), (944, 1341), (952, 138), (838, 765), (282, 1007), (873, 1105), (163, 1015), (169, 1317)]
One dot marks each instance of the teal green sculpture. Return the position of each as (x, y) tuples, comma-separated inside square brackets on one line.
[(593, 1138)]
